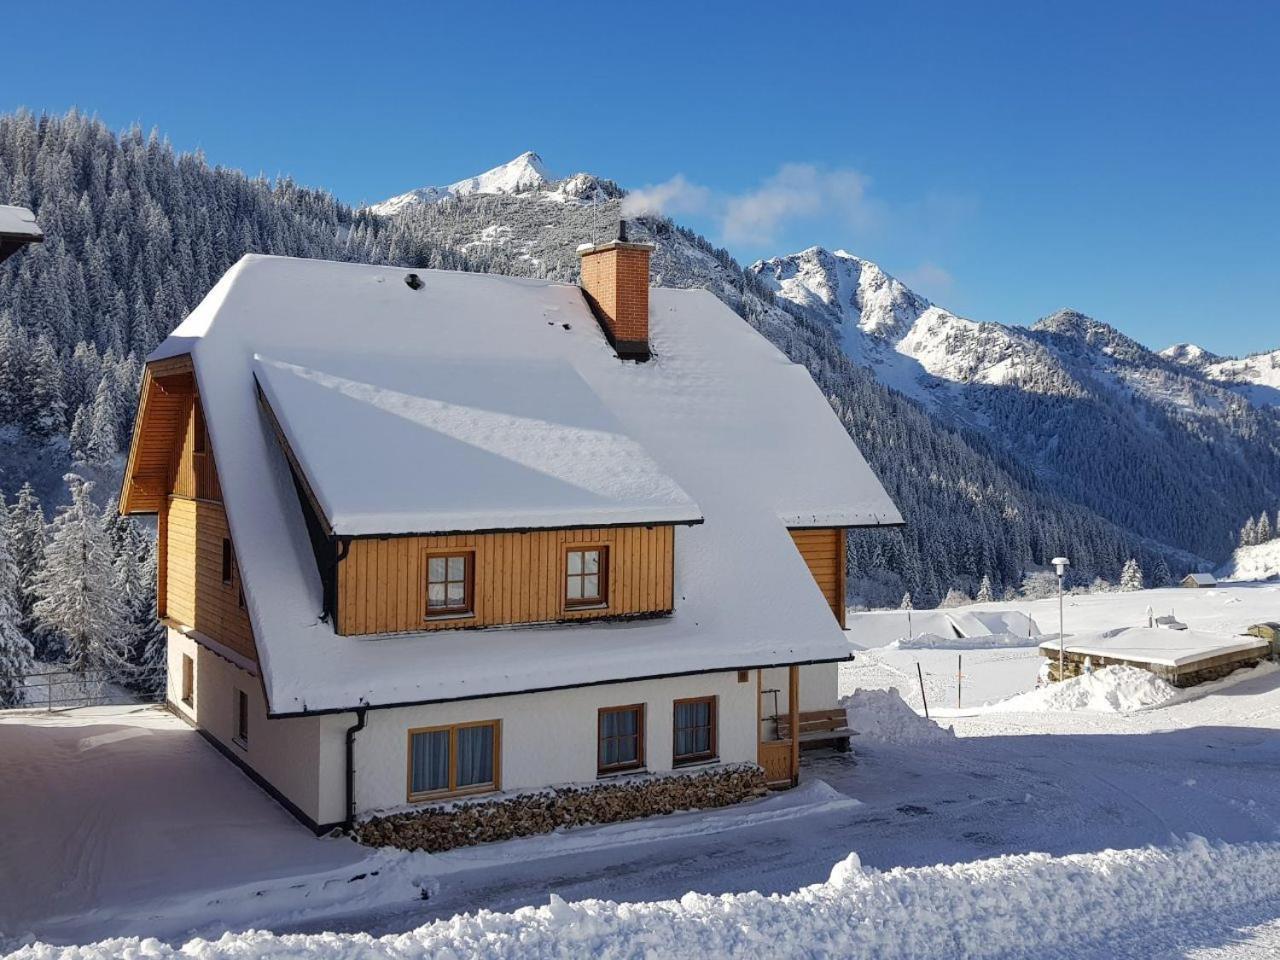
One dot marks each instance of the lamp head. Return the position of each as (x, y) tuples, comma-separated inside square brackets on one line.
[(1060, 564)]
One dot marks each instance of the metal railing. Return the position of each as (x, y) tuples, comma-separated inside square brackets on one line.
[(64, 689)]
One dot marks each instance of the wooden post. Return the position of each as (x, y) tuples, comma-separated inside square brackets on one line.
[(793, 708)]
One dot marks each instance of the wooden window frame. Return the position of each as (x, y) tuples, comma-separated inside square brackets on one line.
[(241, 738), (188, 692), (641, 731), (679, 760), (468, 608), (600, 602), (453, 790), (228, 562)]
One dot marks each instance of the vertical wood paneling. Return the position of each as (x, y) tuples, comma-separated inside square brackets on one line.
[(823, 552), (518, 578)]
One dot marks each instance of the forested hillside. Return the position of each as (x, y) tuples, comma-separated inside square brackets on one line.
[(137, 234)]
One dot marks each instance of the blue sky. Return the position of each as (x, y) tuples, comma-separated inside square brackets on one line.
[(1006, 159)]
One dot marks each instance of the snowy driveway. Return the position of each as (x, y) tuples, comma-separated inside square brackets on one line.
[(107, 808)]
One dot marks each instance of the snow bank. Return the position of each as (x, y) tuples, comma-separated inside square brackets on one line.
[(1117, 689), (883, 715), (988, 908), (1260, 561)]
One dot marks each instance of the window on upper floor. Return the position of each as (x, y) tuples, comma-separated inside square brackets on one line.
[(227, 561), (586, 581), (449, 584)]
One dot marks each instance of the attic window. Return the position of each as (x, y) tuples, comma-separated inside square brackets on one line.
[(413, 281)]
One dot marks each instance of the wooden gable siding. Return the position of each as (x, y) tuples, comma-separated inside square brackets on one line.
[(193, 474), (163, 404), (518, 578), (823, 550), (196, 595)]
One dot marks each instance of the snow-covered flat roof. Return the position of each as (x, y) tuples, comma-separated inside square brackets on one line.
[(719, 424), (18, 222), (1170, 648)]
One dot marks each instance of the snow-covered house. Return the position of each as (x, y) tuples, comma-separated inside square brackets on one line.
[(18, 228), (426, 535), (1195, 580)]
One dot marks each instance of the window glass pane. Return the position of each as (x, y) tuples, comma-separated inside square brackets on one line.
[(574, 588), (435, 568), (455, 594), (430, 754), (591, 561), (693, 728), (575, 561), (435, 595), (591, 586), (457, 568), (475, 755)]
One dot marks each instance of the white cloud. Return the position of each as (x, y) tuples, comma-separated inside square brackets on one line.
[(797, 191), (929, 279), (674, 197)]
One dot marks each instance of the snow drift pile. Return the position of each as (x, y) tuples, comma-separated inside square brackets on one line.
[(1258, 561), (883, 715), (988, 908), (1118, 689)]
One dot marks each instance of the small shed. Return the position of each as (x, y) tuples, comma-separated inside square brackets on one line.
[(1197, 580), (1184, 658)]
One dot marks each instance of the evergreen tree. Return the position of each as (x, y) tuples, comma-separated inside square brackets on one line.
[(104, 428), (906, 602), (1131, 576), (955, 598), (143, 636), (76, 589), (25, 531), (1161, 577), (16, 652), (985, 592), (1263, 530)]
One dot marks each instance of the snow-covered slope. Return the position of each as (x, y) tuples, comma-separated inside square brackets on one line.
[(1259, 561), (1255, 377), (526, 174), (1127, 428)]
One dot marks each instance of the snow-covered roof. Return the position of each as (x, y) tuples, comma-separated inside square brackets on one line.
[(505, 445), (1171, 648), (19, 222), (718, 418), (1203, 579)]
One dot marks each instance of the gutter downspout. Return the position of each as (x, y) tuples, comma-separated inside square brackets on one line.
[(362, 714)]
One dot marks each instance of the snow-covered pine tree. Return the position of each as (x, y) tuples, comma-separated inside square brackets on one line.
[(906, 602), (16, 653), (1131, 576), (955, 598), (1161, 577), (1248, 533), (104, 425), (76, 589), (1263, 530), (985, 592), (142, 634), (25, 529)]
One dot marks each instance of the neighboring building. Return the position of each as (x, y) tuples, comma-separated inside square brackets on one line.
[(18, 228), (425, 535), (1196, 580)]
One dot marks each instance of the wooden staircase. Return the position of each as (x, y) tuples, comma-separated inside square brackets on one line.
[(818, 728)]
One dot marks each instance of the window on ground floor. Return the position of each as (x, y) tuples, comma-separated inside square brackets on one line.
[(621, 738), (694, 725), (460, 758), (242, 718), (188, 680)]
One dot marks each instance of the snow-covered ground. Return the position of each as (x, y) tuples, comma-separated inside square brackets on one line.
[(989, 843)]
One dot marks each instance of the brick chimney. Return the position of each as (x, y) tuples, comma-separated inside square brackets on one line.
[(615, 281)]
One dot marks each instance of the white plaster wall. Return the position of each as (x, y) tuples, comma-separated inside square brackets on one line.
[(284, 752), (547, 738), (819, 687)]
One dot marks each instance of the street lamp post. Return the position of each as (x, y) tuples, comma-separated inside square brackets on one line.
[(1060, 564)]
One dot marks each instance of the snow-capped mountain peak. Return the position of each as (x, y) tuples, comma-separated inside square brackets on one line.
[(526, 172), (1189, 354)]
